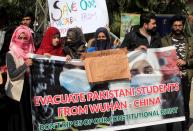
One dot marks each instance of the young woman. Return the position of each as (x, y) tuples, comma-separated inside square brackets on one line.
[(51, 43), (75, 43), (17, 86), (101, 41)]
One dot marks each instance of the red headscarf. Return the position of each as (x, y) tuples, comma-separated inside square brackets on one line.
[(46, 44), (21, 48)]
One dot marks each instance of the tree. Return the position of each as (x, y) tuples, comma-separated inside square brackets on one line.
[(115, 7), (16, 8)]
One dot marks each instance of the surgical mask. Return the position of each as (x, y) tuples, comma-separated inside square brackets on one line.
[(137, 81), (74, 80), (145, 80)]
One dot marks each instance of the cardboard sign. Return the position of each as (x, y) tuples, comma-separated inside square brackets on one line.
[(107, 65), (119, 51)]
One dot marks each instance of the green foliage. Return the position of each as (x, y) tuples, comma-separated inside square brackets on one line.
[(115, 7), (16, 9), (115, 23)]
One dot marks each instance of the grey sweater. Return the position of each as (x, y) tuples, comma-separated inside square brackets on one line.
[(13, 71)]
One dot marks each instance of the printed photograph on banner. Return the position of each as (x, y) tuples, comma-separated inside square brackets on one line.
[(154, 88), (64, 99), (171, 74), (65, 14)]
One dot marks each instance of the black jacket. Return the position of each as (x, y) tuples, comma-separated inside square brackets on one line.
[(5, 47), (134, 39)]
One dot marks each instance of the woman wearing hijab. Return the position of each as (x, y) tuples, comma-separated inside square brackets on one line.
[(17, 86), (75, 43), (51, 43), (102, 40)]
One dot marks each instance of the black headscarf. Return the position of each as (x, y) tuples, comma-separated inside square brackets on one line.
[(102, 44), (75, 42)]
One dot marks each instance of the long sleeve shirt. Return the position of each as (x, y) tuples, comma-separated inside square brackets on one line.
[(13, 71)]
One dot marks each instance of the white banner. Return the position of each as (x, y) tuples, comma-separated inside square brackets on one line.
[(63, 99), (86, 14)]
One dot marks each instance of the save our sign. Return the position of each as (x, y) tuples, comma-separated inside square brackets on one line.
[(86, 14)]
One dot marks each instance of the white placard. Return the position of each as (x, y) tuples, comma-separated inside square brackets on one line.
[(86, 14)]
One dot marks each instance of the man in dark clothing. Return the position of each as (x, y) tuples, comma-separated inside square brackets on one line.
[(28, 19), (184, 49), (143, 37), (5, 36)]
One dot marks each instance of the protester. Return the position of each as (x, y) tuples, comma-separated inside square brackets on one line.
[(144, 36), (17, 86), (51, 43), (101, 40), (183, 44), (190, 21), (28, 19), (74, 43), (5, 37), (7, 31), (3, 26), (69, 83)]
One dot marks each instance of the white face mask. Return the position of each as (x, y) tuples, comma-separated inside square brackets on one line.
[(74, 80), (145, 80), (137, 81)]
